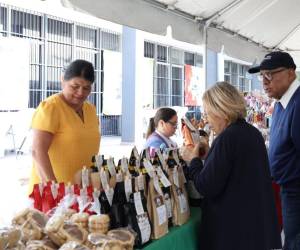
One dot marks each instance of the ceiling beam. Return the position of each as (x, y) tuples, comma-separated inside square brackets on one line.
[(287, 36)]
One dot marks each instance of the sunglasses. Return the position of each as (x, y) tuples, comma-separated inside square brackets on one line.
[(269, 75), (174, 124)]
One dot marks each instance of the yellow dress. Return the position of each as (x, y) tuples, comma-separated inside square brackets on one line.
[(74, 142)]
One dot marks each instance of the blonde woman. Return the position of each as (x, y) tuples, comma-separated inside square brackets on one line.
[(238, 209)]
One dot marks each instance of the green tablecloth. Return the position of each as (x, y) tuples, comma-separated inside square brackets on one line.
[(182, 237)]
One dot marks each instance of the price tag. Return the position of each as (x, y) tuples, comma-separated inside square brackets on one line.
[(182, 203), (138, 203), (124, 164), (137, 156), (140, 180), (164, 180), (128, 187), (69, 189), (149, 168), (85, 177), (162, 160), (54, 190), (41, 188), (156, 185), (168, 205), (111, 166), (103, 178), (99, 161), (96, 206)]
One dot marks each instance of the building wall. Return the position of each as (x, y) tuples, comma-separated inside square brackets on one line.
[(211, 68)]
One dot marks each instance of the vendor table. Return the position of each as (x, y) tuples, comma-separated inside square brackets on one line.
[(180, 237)]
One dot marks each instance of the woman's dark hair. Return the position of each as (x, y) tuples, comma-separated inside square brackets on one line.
[(80, 68), (164, 114)]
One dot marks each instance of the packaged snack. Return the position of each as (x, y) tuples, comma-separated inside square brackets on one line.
[(73, 245), (60, 231), (125, 237), (157, 209), (118, 202), (181, 210), (99, 223), (44, 244), (80, 219), (9, 237)]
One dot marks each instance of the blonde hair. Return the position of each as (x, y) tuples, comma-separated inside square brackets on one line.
[(225, 101)]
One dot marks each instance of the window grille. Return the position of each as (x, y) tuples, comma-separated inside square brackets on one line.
[(54, 43)]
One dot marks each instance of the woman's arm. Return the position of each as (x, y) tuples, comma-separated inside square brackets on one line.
[(40, 146)]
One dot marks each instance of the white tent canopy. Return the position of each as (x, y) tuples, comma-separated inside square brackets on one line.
[(245, 29)]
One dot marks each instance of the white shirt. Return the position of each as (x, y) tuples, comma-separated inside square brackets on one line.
[(284, 100), (171, 143)]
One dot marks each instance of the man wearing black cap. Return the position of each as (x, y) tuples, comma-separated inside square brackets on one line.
[(277, 73)]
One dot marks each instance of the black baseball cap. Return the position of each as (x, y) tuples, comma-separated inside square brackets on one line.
[(274, 60)]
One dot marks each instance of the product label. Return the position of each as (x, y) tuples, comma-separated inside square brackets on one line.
[(103, 178), (128, 187), (162, 214), (182, 201), (111, 166), (138, 203), (140, 180), (164, 180), (99, 161), (41, 188), (124, 165), (168, 205), (137, 156), (162, 160), (69, 189), (145, 228), (149, 167), (85, 177), (156, 185), (96, 206), (54, 190)]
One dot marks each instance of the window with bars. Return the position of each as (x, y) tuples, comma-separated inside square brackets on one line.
[(169, 72), (3, 20), (54, 43), (235, 74)]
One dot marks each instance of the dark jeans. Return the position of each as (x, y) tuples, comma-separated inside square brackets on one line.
[(290, 200)]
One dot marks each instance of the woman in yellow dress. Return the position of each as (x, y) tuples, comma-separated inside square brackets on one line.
[(65, 128)]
